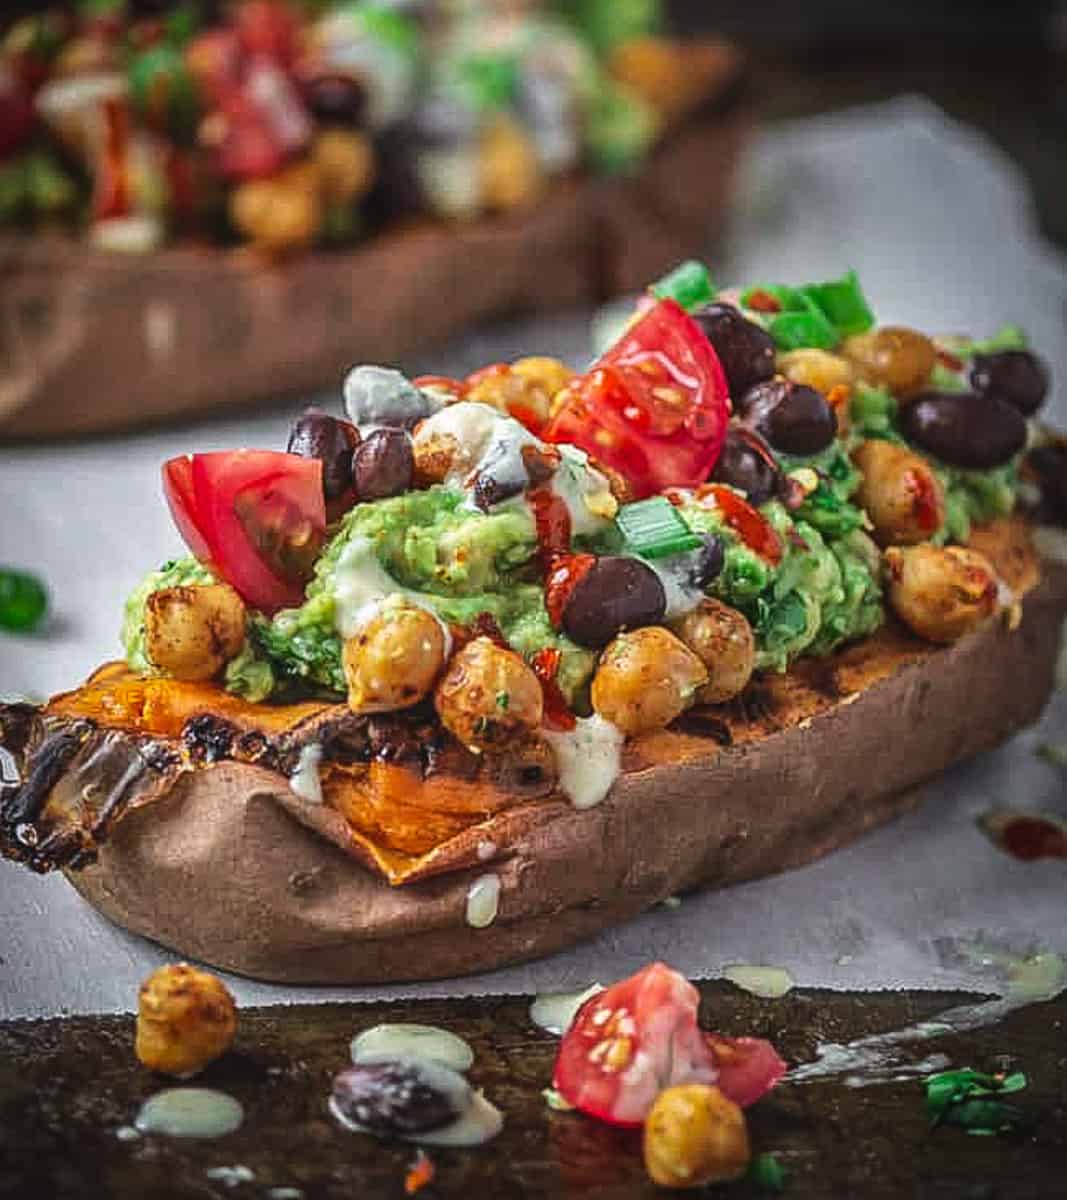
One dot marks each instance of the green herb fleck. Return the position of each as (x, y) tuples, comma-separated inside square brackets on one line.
[(969, 1099), (555, 1101), (502, 701), (766, 1172)]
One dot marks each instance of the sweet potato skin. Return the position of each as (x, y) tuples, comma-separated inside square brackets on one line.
[(802, 764)]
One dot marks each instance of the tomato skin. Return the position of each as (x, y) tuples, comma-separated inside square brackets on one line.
[(747, 522), (216, 499), (631, 1041), (546, 667), (655, 407), (748, 1067)]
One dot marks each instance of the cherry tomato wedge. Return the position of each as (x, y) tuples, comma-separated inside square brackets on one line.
[(747, 522), (255, 517), (654, 407), (748, 1067), (630, 1042)]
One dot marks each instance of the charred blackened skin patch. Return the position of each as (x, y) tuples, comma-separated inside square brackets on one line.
[(704, 724), (208, 738), (22, 803)]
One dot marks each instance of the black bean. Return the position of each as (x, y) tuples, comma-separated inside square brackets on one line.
[(1016, 376), (965, 429), (746, 463), (745, 350), (336, 99), (318, 435), (792, 417), (616, 593), (708, 562), (399, 1096), (383, 465)]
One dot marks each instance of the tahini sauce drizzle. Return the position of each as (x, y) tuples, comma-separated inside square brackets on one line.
[(413, 1041), (882, 1057), (190, 1113)]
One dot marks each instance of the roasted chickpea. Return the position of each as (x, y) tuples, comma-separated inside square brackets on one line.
[(694, 1136), (941, 592), (897, 358), (817, 369), (525, 388), (393, 660), (192, 631), (345, 162), (646, 678), (185, 1019), (510, 173), (282, 213), (488, 695), (722, 639), (901, 493)]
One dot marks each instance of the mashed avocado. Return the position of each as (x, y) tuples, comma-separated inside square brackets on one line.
[(248, 675)]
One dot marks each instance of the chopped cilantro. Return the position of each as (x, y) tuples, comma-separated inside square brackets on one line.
[(502, 701), (970, 1100), (766, 1172)]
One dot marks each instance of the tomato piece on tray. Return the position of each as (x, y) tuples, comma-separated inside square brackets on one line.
[(654, 407), (255, 517), (631, 1041), (639, 1036)]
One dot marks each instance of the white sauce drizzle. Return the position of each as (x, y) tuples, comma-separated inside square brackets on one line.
[(361, 587), (305, 779), (673, 572), (479, 1122), (555, 1011), (190, 1112), (769, 983), (413, 1041), (486, 850), (483, 900), (231, 1176), (880, 1057), (589, 758)]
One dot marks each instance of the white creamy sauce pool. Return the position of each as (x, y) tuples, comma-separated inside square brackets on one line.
[(589, 758), (555, 1012), (190, 1113), (673, 572), (413, 1041), (483, 900), (478, 1123), (305, 779)]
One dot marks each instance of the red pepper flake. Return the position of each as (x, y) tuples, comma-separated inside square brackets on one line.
[(420, 1173), (760, 301), (563, 575), (749, 524), (483, 625), (920, 486), (1025, 836), (947, 359), (552, 520), (546, 666)]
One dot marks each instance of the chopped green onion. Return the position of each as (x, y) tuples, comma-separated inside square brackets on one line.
[(690, 284), (23, 600), (1008, 337), (968, 1099), (800, 330), (766, 1172), (843, 304), (654, 528)]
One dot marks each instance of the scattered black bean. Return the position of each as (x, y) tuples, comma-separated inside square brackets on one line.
[(708, 562), (794, 418), (745, 350), (383, 465), (400, 1096), (1017, 376), (336, 99), (318, 435), (965, 429), (616, 593), (746, 463)]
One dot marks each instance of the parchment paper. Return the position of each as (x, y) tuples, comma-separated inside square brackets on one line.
[(939, 226)]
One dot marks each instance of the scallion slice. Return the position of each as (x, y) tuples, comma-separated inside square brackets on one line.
[(653, 528), (690, 284)]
